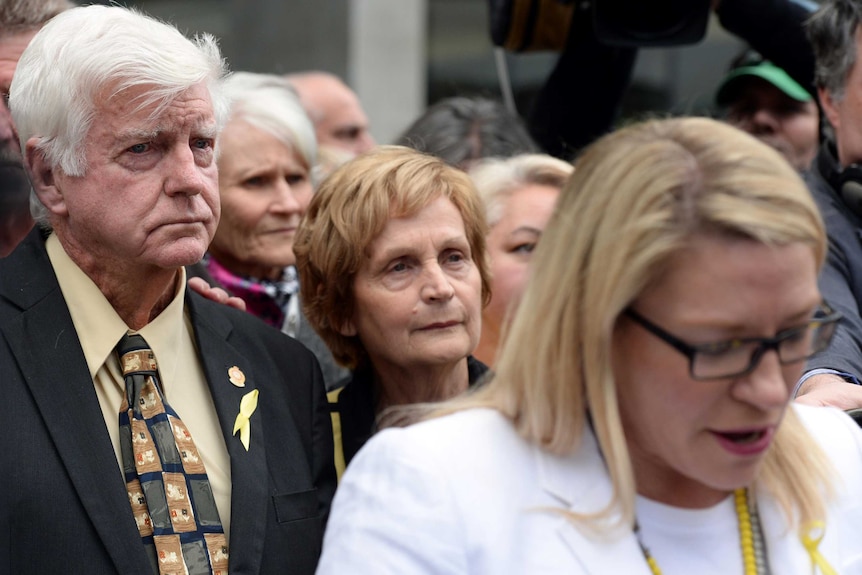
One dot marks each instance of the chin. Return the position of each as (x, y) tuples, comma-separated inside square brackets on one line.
[(182, 253), (445, 355)]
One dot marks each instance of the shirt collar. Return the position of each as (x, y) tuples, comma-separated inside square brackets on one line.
[(99, 327)]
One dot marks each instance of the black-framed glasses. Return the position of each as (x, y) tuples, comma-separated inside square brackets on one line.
[(736, 357)]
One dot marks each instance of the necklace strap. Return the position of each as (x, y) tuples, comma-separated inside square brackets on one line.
[(750, 539)]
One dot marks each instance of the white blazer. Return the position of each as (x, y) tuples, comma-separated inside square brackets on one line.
[(465, 494)]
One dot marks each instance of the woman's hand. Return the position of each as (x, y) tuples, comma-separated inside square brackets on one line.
[(216, 294)]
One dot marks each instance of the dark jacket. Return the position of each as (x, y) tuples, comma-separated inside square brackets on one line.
[(305, 334), (63, 503), (841, 278)]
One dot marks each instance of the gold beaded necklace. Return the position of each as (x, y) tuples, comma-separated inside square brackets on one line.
[(750, 540)]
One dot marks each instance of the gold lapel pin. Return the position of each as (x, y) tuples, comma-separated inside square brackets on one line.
[(236, 376)]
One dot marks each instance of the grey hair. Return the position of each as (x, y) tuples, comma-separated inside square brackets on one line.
[(461, 130), (832, 33), (82, 52), (270, 103), (25, 15), (497, 178)]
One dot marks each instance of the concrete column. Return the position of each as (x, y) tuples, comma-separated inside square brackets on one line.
[(386, 62)]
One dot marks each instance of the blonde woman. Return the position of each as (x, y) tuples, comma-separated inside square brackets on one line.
[(519, 194), (640, 420)]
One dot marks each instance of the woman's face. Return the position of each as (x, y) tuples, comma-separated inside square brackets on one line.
[(694, 441), (418, 292), (265, 189), (510, 246)]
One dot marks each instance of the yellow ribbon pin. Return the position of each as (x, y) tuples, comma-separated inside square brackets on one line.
[(242, 424), (812, 534)]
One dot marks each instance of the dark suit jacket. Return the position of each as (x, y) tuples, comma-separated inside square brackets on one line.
[(841, 277), (332, 372), (63, 502)]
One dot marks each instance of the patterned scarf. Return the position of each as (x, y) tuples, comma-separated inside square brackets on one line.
[(266, 299)]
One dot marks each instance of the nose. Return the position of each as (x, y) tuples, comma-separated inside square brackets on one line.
[(763, 121), (436, 285), (183, 174), (285, 200), (765, 387)]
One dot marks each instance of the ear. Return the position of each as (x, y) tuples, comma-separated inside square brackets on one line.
[(43, 179), (830, 106), (347, 329)]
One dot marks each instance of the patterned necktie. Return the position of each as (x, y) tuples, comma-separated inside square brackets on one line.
[(166, 480)]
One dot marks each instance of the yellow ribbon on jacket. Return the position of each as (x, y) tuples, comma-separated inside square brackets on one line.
[(811, 536), (242, 424)]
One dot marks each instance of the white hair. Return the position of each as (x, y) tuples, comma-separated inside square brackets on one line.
[(82, 52), (497, 178), (270, 103)]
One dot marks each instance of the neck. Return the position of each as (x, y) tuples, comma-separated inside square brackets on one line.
[(658, 481), (137, 293), (486, 351), (427, 384)]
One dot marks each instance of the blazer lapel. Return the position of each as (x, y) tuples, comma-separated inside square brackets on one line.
[(63, 391), (581, 483), (249, 477)]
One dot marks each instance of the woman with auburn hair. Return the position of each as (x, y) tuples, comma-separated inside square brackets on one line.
[(393, 272), (519, 194), (640, 419)]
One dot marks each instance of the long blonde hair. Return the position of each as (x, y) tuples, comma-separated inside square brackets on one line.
[(636, 197)]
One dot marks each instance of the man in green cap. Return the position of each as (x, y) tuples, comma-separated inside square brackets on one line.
[(762, 99)]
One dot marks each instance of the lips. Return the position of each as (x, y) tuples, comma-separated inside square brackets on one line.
[(184, 222), (745, 442), (440, 325)]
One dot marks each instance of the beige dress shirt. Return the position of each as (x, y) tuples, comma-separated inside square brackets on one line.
[(171, 338)]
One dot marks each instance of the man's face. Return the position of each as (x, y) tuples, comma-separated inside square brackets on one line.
[(339, 120), (11, 47), (786, 124), (845, 114), (149, 195)]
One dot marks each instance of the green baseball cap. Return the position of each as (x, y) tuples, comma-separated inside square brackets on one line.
[(765, 70)]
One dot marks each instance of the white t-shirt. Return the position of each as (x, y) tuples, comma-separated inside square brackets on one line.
[(702, 541)]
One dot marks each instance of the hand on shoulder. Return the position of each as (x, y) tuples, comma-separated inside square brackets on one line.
[(216, 294)]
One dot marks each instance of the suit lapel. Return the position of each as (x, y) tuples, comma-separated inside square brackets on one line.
[(581, 483), (249, 477), (63, 391)]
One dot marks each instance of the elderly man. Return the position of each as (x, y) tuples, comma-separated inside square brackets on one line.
[(836, 182), (339, 120), (763, 100), (19, 22), (146, 429)]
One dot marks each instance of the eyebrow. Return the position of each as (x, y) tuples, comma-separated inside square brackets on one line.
[(409, 249), (208, 130), (134, 134), (528, 229)]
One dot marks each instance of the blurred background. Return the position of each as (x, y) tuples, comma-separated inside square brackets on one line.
[(402, 55)]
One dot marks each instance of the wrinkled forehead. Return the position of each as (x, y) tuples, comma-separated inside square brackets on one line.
[(142, 113)]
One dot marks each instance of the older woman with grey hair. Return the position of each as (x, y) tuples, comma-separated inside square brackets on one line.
[(267, 157)]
